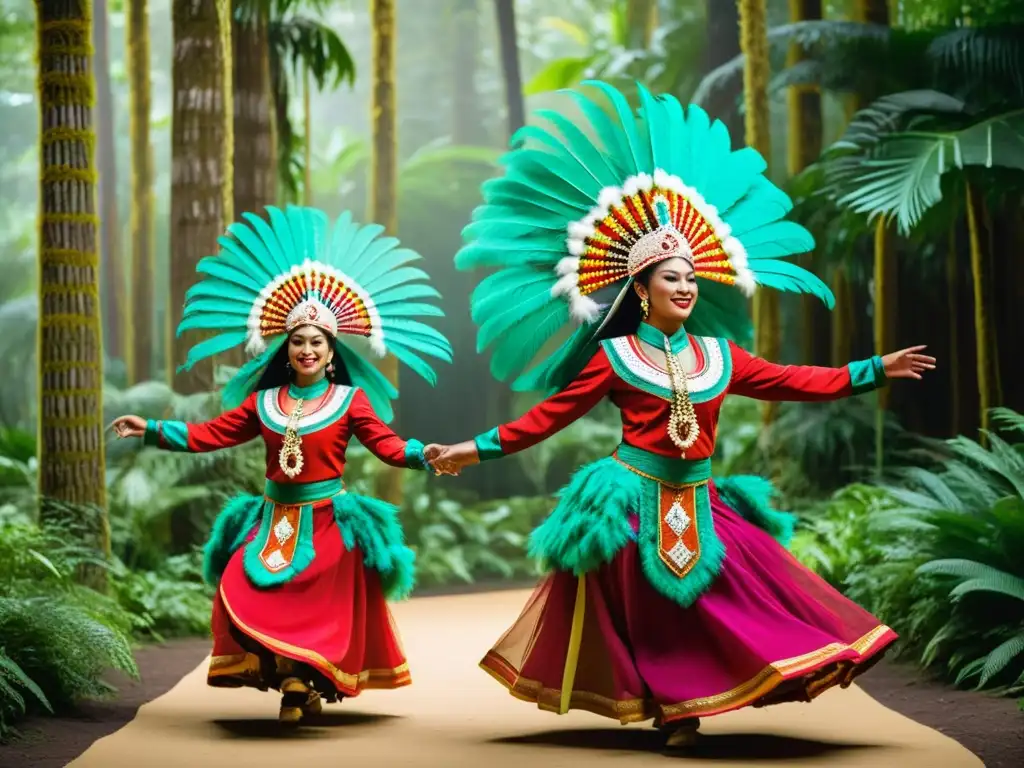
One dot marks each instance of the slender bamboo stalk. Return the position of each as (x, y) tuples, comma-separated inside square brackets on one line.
[(307, 127), (754, 43), (803, 146), (885, 324), (981, 333), (140, 332), (384, 177), (952, 308)]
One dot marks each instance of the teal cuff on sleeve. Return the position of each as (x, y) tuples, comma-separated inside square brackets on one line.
[(169, 435), (414, 457), (488, 445), (152, 436), (867, 375)]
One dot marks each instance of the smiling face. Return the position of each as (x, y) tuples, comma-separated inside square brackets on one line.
[(309, 351), (671, 292)]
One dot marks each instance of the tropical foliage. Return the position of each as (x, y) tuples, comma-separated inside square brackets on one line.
[(935, 552), (923, 131)]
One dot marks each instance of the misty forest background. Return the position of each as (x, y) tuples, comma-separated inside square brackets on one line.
[(131, 141)]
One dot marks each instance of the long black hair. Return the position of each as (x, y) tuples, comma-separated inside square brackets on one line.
[(628, 316), (279, 373)]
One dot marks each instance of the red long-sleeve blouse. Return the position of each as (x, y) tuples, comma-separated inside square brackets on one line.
[(641, 389), (326, 432)]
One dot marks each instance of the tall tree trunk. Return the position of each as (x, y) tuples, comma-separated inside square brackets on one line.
[(254, 165), (982, 335), (113, 287), (201, 162), (723, 25), (508, 42), (384, 177), (756, 69), (71, 461), (139, 333), (803, 146), (255, 158)]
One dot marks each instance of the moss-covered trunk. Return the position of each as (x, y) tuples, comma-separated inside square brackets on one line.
[(71, 460), (756, 70), (384, 177), (201, 163), (140, 336)]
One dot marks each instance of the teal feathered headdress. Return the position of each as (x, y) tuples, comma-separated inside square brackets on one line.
[(293, 269), (583, 208)]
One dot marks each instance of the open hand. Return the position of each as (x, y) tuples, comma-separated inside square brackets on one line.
[(908, 363), (129, 426)]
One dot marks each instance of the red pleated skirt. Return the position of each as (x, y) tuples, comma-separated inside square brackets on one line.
[(332, 620)]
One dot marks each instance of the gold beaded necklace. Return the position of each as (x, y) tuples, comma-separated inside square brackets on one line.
[(683, 428), (290, 456)]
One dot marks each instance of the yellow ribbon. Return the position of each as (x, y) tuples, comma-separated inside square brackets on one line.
[(572, 655)]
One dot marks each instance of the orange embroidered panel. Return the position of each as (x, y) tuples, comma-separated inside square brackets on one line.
[(678, 538), (279, 548)]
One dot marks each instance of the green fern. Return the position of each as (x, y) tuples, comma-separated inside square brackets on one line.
[(935, 552)]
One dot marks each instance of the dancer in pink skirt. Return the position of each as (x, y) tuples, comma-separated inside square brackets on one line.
[(671, 596)]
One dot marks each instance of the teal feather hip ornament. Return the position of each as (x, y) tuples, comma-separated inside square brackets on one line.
[(366, 525)]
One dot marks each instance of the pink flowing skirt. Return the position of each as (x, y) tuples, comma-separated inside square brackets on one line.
[(767, 631)]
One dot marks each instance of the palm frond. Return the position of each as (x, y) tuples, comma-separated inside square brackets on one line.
[(881, 168), (992, 55)]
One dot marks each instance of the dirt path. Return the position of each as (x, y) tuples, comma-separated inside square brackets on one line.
[(991, 728)]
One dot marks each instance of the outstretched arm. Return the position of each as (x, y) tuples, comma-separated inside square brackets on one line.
[(759, 379), (380, 440), (231, 428), (537, 424)]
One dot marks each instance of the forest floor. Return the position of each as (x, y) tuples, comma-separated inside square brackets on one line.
[(991, 728)]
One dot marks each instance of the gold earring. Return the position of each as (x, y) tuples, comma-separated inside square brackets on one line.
[(645, 306)]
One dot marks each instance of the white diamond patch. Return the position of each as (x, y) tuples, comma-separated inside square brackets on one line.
[(677, 519), (283, 530), (276, 559), (680, 554)]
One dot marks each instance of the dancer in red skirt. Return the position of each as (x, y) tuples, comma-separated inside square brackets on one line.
[(671, 596), (303, 571)]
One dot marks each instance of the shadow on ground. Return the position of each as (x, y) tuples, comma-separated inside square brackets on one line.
[(312, 727), (732, 746)]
